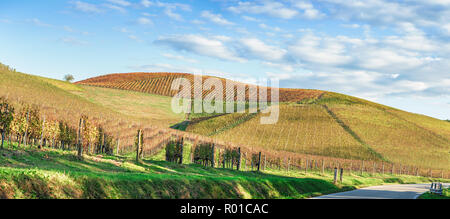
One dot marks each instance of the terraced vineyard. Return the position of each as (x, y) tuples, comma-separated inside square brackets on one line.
[(398, 140), (343, 127), (160, 83), (305, 129)]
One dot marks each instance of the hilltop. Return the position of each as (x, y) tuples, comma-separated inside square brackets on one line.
[(160, 83)]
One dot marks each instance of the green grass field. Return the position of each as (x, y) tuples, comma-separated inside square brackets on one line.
[(428, 195), (49, 174)]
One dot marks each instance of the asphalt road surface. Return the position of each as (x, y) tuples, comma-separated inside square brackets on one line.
[(412, 191)]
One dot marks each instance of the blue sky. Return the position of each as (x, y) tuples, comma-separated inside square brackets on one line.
[(392, 52)]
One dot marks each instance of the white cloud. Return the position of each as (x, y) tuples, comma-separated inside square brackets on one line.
[(164, 67), (6, 21), (147, 3), (216, 18), (120, 2), (283, 67), (180, 58), (39, 23), (274, 9), (169, 8), (135, 38), (264, 26), (308, 9), (144, 21), (248, 18), (256, 48), (200, 45), (383, 58), (73, 41), (68, 29), (197, 21), (446, 28), (322, 51), (172, 14), (85, 7), (115, 7)]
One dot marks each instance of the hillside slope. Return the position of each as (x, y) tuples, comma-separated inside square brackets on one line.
[(312, 123), (160, 83), (316, 123), (120, 113), (344, 127)]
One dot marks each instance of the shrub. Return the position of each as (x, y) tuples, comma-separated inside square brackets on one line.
[(174, 151), (203, 154)]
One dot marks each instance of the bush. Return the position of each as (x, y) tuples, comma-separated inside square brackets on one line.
[(203, 154), (231, 157), (174, 151)]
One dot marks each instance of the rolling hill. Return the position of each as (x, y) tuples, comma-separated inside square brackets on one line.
[(160, 83), (313, 123)]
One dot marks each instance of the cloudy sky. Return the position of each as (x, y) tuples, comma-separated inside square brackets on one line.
[(392, 52)]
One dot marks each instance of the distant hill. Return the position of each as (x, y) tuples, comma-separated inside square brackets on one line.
[(315, 122), (160, 83), (312, 122)]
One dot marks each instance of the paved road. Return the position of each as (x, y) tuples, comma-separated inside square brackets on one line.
[(383, 192)]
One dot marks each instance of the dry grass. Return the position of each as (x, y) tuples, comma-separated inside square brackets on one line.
[(306, 129), (153, 108), (398, 140)]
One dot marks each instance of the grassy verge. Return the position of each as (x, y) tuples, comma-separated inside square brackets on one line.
[(428, 195), (50, 174)]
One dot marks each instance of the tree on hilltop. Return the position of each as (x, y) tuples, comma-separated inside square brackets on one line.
[(69, 78)]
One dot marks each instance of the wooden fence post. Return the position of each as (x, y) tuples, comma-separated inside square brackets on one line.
[(25, 140), (306, 166), (259, 161), (42, 134), (118, 146), (288, 164), (245, 162), (80, 138), (182, 150), (212, 155), (342, 174), (335, 175), (362, 167), (265, 162), (351, 168), (323, 166), (238, 166), (382, 168), (138, 145), (223, 159)]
